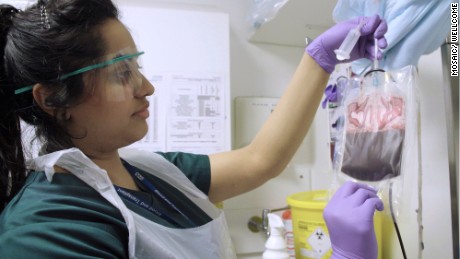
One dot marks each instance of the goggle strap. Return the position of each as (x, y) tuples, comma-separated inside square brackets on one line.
[(85, 69)]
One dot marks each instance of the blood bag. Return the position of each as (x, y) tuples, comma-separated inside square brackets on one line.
[(378, 143), (374, 129)]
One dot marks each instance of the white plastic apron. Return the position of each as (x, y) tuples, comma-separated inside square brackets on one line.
[(148, 239)]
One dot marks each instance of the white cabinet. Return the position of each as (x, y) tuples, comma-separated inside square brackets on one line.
[(295, 21)]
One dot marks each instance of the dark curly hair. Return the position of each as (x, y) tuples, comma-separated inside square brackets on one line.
[(37, 45)]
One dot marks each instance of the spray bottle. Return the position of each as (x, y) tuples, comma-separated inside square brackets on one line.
[(275, 247), (288, 232)]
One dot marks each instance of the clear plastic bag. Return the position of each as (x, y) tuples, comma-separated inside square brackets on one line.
[(375, 122), (262, 11), (378, 143)]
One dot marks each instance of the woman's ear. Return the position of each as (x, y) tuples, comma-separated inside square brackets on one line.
[(41, 93)]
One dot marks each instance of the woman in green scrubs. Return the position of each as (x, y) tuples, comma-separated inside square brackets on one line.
[(70, 69)]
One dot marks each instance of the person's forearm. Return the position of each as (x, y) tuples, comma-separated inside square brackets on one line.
[(242, 170), (284, 131)]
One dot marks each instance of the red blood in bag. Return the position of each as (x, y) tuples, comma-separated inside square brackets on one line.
[(373, 156), (374, 137)]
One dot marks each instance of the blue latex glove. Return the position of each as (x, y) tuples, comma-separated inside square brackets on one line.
[(322, 48), (349, 217)]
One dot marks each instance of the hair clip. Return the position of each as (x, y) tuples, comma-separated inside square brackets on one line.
[(44, 17)]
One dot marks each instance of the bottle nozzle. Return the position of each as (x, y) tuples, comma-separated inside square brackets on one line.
[(275, 247)]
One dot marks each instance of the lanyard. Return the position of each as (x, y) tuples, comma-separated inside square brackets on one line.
[(149, 185), (141, 203)]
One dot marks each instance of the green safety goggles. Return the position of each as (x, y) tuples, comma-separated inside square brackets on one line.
[(123, 70)]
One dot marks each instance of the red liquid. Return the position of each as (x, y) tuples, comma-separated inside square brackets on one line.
[(373, 156)]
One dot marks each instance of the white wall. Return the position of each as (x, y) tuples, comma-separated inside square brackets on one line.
[(264, 70)]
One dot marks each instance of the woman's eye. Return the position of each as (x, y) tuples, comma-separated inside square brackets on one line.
[(125, 75)]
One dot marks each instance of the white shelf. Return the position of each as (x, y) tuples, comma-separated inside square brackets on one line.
[(296, 20)]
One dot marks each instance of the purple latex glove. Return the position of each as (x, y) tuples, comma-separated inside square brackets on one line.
[(322, 48), (349, 217)]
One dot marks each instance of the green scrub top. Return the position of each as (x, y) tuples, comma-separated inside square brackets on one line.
[(66, 218)]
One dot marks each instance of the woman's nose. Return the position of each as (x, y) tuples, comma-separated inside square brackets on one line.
[(145, 88)]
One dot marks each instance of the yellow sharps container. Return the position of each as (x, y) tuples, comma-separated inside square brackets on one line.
[(311, 237)]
